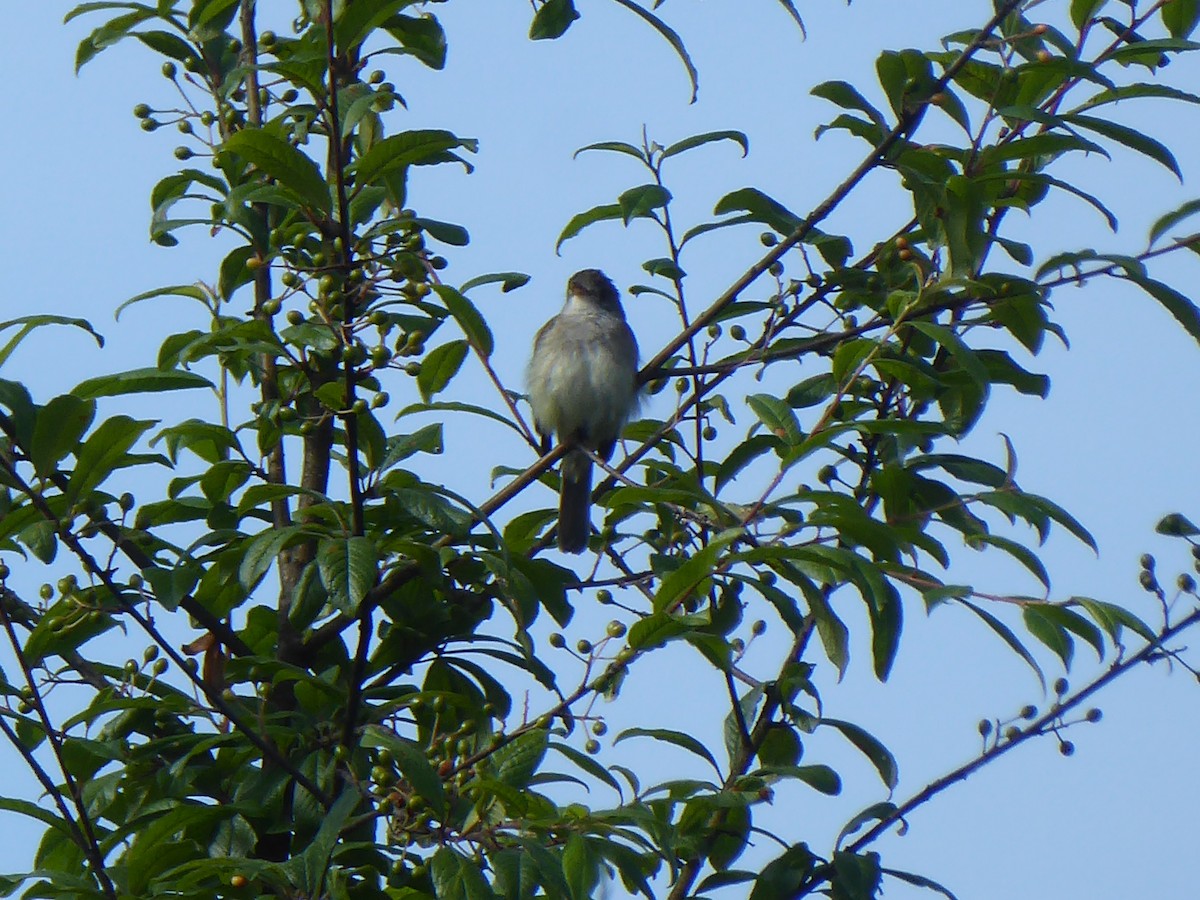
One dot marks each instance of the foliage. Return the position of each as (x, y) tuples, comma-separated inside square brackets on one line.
[(352, 730)]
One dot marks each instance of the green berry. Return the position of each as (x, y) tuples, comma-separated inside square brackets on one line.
[(616, 629), (1061, 686), (985, 727), (169, 70), (759, 627), (604, 596), (1147, 562), (557, 641), (1028, 712), (592, 746), (1066, 748), (584, 646), (1186, 583), (142, 111), (737, 332), (768, 239)]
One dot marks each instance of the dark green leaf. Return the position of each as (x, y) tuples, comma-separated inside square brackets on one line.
[(872, 748), (348, 569), (1183, 309), (468, 318), (1166, 222), (552, 20), (637, 203), (707, 138), (1009, 638), (584, 219), (1176, 525), (140, 381), (106, 449), (29, 323), (671, 38), (678, 738), (283, 162), (761, 207), (59, 426), (439, 366), (508, 281)]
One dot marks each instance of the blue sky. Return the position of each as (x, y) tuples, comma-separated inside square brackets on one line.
[(1114, 442)]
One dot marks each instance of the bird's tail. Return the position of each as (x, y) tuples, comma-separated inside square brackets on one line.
[(575, 503)]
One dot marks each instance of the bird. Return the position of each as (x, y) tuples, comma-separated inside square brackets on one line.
[(583, 387)]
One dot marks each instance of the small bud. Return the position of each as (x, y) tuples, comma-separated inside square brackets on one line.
[(827, 475)]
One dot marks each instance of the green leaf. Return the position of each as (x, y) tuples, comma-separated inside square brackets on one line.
[(283, 162), (190, 291), (439, 366), (358, 20), (677, 738), (959, 351), (105, 450), (59, 426), (468, 318), (872, 748), (457, 878), (847, 96), (516, 761), (411, 761), (614, 147), (708, 137), (1168, 221), (552, 20), (671, 38), (1183, 309), (1131, 138), (1059, 615), (689, 578), (761, 207), (508, 281), (1180, 17), (30, 323), (1008, 637), (1083, 10), (777, 416), (150, 380), (582, 220), (260, 553), (1049, 633), (636, 203), (409, 148), (349, 568), (1176, 525), (782, 876)]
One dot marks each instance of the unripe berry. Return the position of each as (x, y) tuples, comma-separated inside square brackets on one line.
[(1066, 748), (169, 70), (557, 641), (584, 646), (604, 596), (615, 629)]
